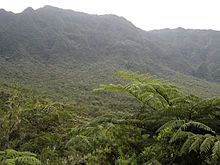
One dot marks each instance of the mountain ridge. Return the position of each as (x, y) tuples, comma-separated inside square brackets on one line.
[(48, 47)]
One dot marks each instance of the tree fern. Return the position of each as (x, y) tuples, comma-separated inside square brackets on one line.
[(206, 107), (196, 141), (148, 90), (193, 136), (180, 136), (207, 144), (192, 108), (187, 144), (173, 124), (12, 157), (195, 146), (187, 132), (197, 127), (27, 160), (216, 151)]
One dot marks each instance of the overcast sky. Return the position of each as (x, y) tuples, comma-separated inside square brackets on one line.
[(145, 14)]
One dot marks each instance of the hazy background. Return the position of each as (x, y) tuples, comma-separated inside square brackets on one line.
[(146, 14)]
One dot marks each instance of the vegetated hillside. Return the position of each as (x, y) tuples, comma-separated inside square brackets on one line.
[(194, 52), (67, 53)]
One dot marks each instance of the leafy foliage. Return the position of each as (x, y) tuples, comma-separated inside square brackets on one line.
[(169, 127), (192, 136), (12, 157), (149, 91), (35, 124), (62, 55)]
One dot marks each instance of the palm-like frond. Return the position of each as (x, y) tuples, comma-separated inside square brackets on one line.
[(27, 160), (149, 90), (180, 136), (196, 144), (207, 143), (173, 124), (197, 126), (216, 151), (186, 146), (12, 157), (206, 107)]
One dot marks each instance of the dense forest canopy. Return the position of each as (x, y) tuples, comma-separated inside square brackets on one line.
[(52, 110), (169, 127)]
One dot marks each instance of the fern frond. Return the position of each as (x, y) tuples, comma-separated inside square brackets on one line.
[(196, 144), (216, 148), (180, 136), (206, 107), (186, 146), (173, 124), (207, 143), (10, 153), (8, 162), (172, 111), (27, 160), (151, 92), (192, 125), (12, 157)]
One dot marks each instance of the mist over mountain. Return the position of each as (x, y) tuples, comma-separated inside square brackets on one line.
[(63, 50)]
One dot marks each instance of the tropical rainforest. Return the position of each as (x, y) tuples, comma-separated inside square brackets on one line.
[(94, 89)]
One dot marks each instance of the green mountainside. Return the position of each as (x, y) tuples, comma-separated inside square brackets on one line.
[(67, 53), (80, 89), (194, 52)]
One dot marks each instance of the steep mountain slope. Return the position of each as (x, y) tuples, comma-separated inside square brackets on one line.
[(194, 52), (67, 53)]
